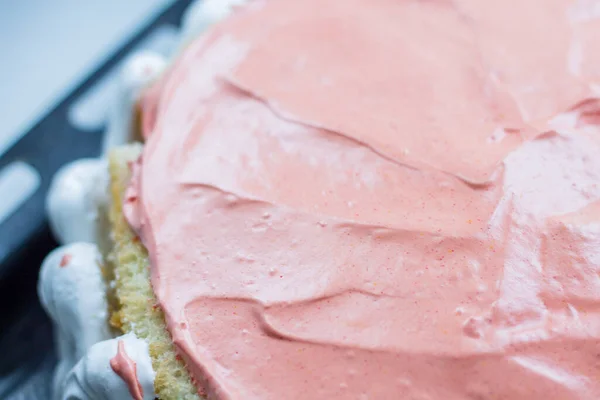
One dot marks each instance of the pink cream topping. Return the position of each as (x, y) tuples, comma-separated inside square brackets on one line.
[(384, 199), (125, 367), (65, 260)]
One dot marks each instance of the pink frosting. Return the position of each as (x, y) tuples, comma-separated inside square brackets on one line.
[(126, 368), (380, 199)]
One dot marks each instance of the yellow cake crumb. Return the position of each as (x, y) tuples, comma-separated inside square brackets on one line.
[(133, 302)]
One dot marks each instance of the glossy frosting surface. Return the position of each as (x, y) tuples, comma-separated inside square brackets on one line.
[(383, 199)]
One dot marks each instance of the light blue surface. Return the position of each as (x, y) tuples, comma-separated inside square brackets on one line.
[(48, 46)]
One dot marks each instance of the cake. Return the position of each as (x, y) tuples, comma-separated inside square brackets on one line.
[(351, 199)]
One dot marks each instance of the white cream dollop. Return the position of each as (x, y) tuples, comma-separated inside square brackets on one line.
[(76, 200), (204, 13), (73, 293), (93, 377), (138, 72)]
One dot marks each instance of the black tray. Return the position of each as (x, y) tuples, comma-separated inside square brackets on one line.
[(26, 346)]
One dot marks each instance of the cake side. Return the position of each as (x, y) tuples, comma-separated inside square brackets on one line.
[(134, 304)]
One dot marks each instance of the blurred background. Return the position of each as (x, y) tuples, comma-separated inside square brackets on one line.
[(48, 48)]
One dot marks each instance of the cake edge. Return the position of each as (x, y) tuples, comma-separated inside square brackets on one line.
[(133, 305)]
